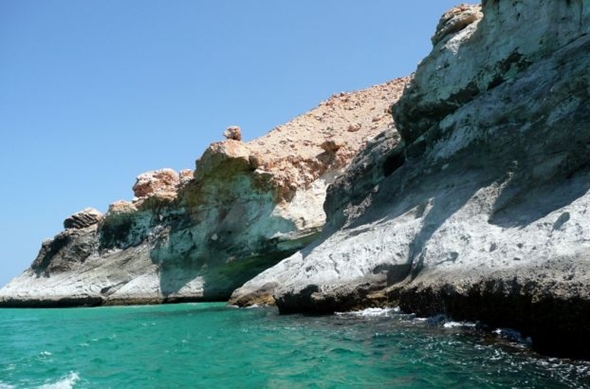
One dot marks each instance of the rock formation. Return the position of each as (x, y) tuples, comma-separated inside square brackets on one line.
[(195, 236), (476, 208), (233, 132), (480, 210), (83, 219)]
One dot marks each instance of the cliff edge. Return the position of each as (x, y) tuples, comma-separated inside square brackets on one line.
[(198, 235), (480, 211)]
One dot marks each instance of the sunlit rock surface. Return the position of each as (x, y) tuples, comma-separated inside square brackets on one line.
[(480, 211), (198, 235)]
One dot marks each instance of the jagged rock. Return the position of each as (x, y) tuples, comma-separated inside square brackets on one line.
[(197, 236), (233, 133), (484, 54), (121, 207), (455, 20), (150, 183), (223, 159), (83, 219), (331, 146), (480, 212), (184, 177)]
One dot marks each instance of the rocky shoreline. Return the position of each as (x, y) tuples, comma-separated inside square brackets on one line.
[(479, 212), (467, 197)]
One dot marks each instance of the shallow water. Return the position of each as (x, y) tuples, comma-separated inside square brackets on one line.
[(214, 346)]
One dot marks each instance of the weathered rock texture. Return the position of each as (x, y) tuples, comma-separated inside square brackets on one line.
[(480, 212), (233, 132), (83, 219), (194, 236)]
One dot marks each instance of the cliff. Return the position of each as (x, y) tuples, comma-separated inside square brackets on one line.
[(471, 203), (196, 236), (480, 211)]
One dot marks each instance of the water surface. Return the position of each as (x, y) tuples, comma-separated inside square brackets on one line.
[(214, 346)]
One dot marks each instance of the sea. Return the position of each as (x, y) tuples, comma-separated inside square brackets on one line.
[(211, 345)]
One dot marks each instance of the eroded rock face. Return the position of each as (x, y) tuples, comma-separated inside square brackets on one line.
[(469, 59), (83, 219), (479, 212), (150, 183), (194, 236)]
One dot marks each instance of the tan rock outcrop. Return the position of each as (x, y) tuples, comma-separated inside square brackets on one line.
[(150, 183), (480, 212), (233, 133), (194, 236)]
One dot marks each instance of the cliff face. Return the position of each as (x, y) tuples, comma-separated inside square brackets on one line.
[(194, 236), (480, 211), (476, 208)]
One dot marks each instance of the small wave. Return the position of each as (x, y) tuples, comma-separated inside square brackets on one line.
[(459, 324), (6, 386), (512, 335), (66, 382), (370, 312)]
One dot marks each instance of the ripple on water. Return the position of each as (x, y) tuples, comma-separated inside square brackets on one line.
[(210, 345)]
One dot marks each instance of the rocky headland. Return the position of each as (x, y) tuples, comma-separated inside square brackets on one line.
[(466, 196), (480, 212), (198, 235)]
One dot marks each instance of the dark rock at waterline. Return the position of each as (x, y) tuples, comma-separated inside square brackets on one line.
[(480, 213)]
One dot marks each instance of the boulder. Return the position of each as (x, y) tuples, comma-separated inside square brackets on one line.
[(83, 219), (150, 183), (233, 133)]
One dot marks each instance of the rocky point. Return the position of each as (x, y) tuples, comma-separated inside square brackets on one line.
[(198, 235), (467, 195), (480, 210)]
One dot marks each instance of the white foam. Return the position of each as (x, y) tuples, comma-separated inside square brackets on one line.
[(66, 382), (458, 324), (369, 312), (513, 335), (6, 386)]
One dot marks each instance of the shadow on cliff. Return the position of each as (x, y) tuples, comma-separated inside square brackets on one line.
[(536, 175), (434, 194), (521, 148), (193, 268), (551, 165)]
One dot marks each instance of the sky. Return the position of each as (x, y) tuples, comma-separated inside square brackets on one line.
[(93, 93)]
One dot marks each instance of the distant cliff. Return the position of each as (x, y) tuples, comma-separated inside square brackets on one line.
[(480, 212), (196, 236)]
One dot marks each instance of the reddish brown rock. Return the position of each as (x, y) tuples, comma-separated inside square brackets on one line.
[(233, 133), (121, 207), (149, 183)]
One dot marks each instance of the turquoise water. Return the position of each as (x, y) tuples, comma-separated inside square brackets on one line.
[(214, 346)]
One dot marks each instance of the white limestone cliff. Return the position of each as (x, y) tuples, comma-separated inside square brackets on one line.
[(480, 211)]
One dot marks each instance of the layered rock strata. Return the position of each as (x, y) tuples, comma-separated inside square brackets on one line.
[(196, 236), (480, 211)]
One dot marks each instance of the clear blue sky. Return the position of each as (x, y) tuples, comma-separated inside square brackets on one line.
[(92, 93)]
